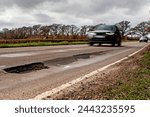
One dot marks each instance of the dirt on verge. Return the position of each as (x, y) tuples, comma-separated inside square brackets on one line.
[(93, 88)]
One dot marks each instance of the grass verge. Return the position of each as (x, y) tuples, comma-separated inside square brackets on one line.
[(31, 44), (135, 85)]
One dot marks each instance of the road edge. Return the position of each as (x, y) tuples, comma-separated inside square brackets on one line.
[(64, 86)]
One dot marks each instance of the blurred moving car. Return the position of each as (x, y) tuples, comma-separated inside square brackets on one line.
[(104, 34), (143, 39)]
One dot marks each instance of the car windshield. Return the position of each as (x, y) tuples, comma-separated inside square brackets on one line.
[(105, 27)]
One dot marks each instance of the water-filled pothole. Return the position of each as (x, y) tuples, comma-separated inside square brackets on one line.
[(26, 68)]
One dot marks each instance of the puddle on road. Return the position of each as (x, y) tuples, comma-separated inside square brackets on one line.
[(26, 68), (54, 62)]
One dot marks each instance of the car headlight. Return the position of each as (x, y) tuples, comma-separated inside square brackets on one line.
[(91, 34), (110, 33)]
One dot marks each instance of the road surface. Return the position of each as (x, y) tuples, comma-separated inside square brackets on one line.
[(61, 64)]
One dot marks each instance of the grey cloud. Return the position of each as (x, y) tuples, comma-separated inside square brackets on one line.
[(47, 11), (92, 7), (131, 5), (77, 7), (25, 3), (5, 24), (33, 3), (43, 18), (1, 10)]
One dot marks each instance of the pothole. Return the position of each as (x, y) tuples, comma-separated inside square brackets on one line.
[(88, 55), (66, 60), (71, 59), (54, 62), (26, 68), (60, 61), (82, 56)]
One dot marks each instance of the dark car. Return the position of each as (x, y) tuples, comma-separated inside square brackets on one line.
[(104, 34)]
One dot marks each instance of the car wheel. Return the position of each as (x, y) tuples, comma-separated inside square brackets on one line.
[(113, 44), (91, 44), (119, 43)]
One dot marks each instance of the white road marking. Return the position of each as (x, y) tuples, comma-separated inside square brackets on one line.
[(53, 51), (16, 55), (30, 54), (67, 66), (64, 86), (2, 66), (65, 50)]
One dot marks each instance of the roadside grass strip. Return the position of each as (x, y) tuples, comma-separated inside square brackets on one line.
[(31, 44), (136, 84)]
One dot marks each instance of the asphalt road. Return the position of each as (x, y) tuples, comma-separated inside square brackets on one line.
[(61, 65)]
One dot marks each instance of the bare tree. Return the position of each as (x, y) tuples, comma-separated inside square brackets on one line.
[(36, 31), (84, 29), (54, 32), (124, 27), (141, 28), (5, 33), (44, 31), (148, 29)]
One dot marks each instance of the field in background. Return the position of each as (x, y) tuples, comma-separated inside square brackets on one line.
[(4, 43)]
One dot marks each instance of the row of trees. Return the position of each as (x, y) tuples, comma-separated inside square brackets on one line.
[(54, 31), (139, 30), (69, 32)]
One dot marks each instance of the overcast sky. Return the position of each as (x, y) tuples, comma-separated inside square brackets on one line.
[(18, 13)]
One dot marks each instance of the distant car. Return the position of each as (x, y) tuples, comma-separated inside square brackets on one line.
[(104, 34), (143, 39)]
